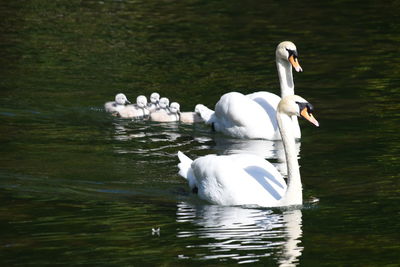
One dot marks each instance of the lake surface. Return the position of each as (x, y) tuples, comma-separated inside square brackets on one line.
[(80, 187)]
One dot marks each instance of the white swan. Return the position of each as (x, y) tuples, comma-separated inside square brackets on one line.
[(118, 104), (242, 179), (253, 116), (154, 99), (137, 111), (165, 113)]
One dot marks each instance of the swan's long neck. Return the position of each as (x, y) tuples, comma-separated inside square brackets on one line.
[(285, 77), (294, 194)]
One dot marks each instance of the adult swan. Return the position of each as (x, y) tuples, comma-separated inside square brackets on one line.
[(241, 179), (253, 116)]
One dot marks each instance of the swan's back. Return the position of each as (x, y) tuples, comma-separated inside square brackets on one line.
[(268, 101), (240, 179), (238, 115)]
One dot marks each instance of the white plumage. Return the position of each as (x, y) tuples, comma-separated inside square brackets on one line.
[(253, 116), (137, 111), (154, 100), (190, 117), (246, 179), (166, 113), (118, 104)]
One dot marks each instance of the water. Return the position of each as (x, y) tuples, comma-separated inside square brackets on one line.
[(80, 187)]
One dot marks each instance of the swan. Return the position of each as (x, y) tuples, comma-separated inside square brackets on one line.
[(154, 99), (252, 116), (165, 113), (137, 111), (114, 106), (246, 179)]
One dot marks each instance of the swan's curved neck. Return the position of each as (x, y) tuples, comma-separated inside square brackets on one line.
[(294, 194), (285, 77)]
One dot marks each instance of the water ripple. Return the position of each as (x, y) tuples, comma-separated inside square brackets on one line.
[(243, 234)]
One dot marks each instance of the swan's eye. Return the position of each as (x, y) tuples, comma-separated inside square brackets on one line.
[(307, 106), (310, 108), (292, 53)]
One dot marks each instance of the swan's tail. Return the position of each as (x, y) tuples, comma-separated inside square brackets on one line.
[(185, 169), (205, 113)]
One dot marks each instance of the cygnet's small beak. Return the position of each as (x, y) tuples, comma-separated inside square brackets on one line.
[(308, 116), (295, 63), (127, 101)]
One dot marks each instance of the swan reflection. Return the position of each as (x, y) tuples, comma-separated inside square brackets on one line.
[(263, 148), (267, 149), (244, 234)]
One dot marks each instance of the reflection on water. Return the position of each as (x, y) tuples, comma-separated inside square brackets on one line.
[(151, 139), (126, 132), (264, 148), (159, 136), (244, 234)]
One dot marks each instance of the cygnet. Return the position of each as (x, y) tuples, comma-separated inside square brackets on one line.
[(154, 100), (163, 103), (137, 111), (115, 106), (165, 114)]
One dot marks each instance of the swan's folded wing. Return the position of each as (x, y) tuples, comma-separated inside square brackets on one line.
[(238, 180), (268, 101), (240, 116), (237, 109)]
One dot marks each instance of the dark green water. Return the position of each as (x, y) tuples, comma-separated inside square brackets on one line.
[(79, 187)]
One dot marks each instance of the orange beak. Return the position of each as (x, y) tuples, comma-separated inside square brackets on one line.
[(295, 63), (308, 116)]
